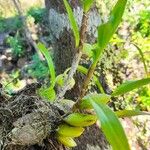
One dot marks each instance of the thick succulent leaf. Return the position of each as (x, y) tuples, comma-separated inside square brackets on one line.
[(73, 22), (87, 4), (130, 113), (49, 60), (106, 30), (80, 119), (129, 86), (47, 93), (111, 127), (98, 98), (69, 131), (60, 80), (66, 141)]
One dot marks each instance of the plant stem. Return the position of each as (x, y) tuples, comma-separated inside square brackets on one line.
[(87, 80), (96, 80), (76, 59), (85, 84)]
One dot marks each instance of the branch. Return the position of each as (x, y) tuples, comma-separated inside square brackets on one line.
[(26, 29), (76, 59)]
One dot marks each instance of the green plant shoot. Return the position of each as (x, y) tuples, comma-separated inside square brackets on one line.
[(73, 22), (49, 60)]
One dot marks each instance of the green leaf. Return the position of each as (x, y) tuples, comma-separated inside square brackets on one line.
[(49, 60), (111, 127), (106, 30), (47, 93), (87, 4), (60, 79), (142, 58), (130, 113), (98, 98), (73, 23), (129, 86)]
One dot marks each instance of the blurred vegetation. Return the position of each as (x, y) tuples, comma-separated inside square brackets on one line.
[(37, 13), (37, 69), (12, 82), (143, 25), (7, 11), (16, 45), (10, 24)]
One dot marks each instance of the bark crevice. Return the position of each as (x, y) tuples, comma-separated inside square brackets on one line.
[(27, 120)]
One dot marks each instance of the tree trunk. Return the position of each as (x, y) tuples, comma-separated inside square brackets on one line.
[(26, 121), (64, 50)]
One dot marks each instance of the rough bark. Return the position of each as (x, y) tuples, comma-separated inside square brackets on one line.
[(61, 34), (29, 123)]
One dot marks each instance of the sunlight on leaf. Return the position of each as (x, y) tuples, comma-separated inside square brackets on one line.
[(106, 30), (73, 22), (111, 126), (129, 86), (130, 113)]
